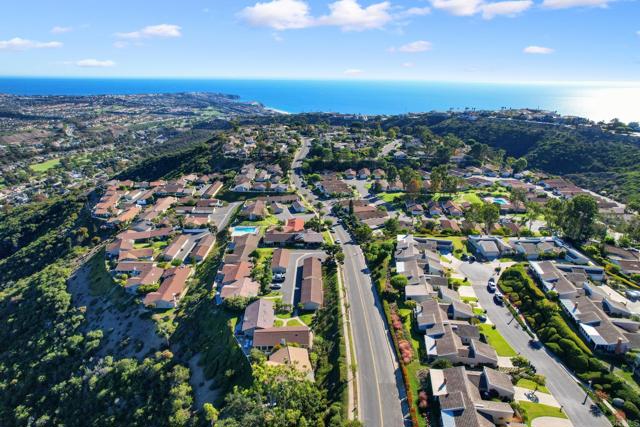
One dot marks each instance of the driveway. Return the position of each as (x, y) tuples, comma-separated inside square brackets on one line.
[(222, 215), (291, 285), (560, 382)]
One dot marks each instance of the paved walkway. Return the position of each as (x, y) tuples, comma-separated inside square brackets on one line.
[(540, 397), (551, 422)]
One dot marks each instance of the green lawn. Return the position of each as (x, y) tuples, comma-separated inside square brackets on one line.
[(389, 197), (468, 196), (537, 410), (478, 311), (307, 318), (531, 385), (294, 322), (267, 221), (469, 299), (496, 341), (44, 166)]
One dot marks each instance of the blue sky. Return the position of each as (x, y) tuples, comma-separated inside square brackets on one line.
[(452, 40)]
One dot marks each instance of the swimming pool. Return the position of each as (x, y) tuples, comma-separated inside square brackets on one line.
[(243, 229), (500, 200)]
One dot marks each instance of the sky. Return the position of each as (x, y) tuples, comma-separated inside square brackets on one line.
[(439, 40)]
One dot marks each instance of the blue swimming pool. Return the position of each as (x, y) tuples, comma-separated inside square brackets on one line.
[(243, 229), (500, 201)]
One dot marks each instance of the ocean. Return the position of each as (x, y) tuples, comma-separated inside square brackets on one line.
[(596, 101)]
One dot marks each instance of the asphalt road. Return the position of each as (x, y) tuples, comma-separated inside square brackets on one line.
[(560, 382), (381, 395)]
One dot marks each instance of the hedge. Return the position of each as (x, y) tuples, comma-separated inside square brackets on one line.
[(545, 319)]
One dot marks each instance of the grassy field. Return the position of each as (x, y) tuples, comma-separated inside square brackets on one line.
[(267, 221), (531, 385), (389, 197), (537, 410), (496, 341), (44, 166)]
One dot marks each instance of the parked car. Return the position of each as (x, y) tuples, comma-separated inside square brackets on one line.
[(535, 343), (491, 287), (481, 317), (633, 295), (278, 277), (338, 241), (498, 298), (464, 257), (472, 258), (276, 286)]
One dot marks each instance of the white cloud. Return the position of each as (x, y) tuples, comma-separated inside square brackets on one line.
[(120, 44), (153, 31), (416, 11), (415, 47), (278, 14), (508, 8), (61, 30), (18, 43), (538, 50), (458, 7), (95, 63), (352, 72), (349, 15), (408, 64), (566, 4)]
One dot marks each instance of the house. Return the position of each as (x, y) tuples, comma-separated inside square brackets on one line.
[(149, 275), (277, 208), (364, 173), (203, 247), (298, 207), (242, 185), (333, 187), (434, 209), (280, 261), (211, 190), (258, 315), (419, 292), (172, 288), (231, 273), (266, 339), (378, 174), (178, 249), (493, 382), (349, 174), (451, 208), (311, 289), (296, 357), (459, 310), (254, 211), (144, 254), (490, 247), (113, 249), (449, 225), (395, 186), (244, 287), (415, 209), (450, 346), (460, 400), (305, 238), (294, 225)]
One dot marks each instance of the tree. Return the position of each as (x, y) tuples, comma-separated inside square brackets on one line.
[(399, 281), (478, 151), (210, 413), (533, 212), (579, 218), (554, 213), (519, 165), (439, 175), (490, 214)]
